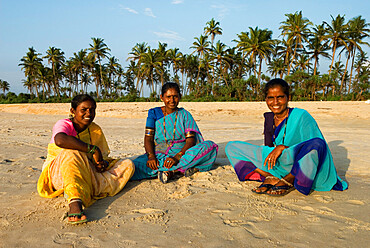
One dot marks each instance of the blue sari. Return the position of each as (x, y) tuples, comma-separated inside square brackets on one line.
[(307, 157), (170, 139)]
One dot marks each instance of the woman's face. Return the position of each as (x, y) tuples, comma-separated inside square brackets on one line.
[(276, 100), (84, 114), (171, 99)]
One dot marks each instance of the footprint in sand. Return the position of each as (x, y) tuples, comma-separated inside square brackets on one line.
[(126, 243), (256, 232), (313, 218), (151, 215), (73, 239), (323, 198), (147, 210), (4, 222), (356, 202)]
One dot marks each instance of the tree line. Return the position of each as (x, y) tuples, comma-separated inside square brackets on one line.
[(214, 71)]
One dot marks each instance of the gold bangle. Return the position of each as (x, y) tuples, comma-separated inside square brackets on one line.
[(149, 132), (150, 154), (189, 134)]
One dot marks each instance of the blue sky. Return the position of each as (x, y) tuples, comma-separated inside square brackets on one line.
[(70, 24)]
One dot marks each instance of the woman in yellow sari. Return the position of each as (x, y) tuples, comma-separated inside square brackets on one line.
[(77, 163)]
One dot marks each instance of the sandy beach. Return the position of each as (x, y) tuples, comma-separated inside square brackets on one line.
[(209, 209)]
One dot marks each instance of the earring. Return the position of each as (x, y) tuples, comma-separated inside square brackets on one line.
[(71, 115)]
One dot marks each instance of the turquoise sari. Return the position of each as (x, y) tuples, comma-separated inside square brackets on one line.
[(307, 157), (169, 139)]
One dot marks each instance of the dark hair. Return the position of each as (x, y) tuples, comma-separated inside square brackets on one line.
[(77, 100), (170, 85), (277, 82)]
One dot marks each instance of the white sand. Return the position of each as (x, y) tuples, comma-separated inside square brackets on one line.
[(210, 209)]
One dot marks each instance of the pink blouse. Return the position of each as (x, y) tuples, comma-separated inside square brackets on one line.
[(63, 126)]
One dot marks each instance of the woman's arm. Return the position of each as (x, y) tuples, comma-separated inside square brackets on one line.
[(152, 162), (70, 142)]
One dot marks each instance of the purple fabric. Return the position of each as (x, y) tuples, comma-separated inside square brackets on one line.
[(269, 128), (243, 169), (302, 183)]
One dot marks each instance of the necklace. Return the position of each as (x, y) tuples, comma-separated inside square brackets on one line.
[(285, 124), (164, 128), (283, 117)]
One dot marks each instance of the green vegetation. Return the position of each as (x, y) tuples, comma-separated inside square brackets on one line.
[(213, 71)]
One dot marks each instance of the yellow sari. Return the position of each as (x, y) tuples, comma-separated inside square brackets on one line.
[(73, 173)]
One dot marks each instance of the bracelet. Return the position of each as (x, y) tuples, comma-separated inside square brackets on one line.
[(149, 132), (88, 147), (179, 155), (93, 149), (189, 134), (149, 154)]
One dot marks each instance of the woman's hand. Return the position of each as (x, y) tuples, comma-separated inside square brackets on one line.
[(100, 163), (170, 161), (273, 156), (101, 166), (152, 163)]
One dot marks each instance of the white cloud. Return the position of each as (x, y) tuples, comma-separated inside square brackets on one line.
[(170, 35), (177, 1), (223, 10), (128, 9), (149, 12)]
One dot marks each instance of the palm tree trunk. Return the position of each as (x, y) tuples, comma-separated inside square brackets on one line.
[(344, 74), (332, 60)]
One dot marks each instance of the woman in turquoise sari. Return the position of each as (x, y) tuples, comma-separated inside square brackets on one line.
[(295, 154), (173, 141)]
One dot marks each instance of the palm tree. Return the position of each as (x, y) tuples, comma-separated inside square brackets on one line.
[(317, 47), (4, 86), (113, 68), (201, 46), (175, 57), (30, 64), (256, 43), (357, 28), (213, 28), (218, 55), (79, 65), (151, 61), (137, 53), (162, 55), (296, 28), (276, 67), (45, 76), (56, 57), (337, 34), (99, 50)]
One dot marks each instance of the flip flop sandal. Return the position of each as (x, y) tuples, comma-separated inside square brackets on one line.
[(275, 189), (189, 172), (163, 177), (265, 185), (79, 215)]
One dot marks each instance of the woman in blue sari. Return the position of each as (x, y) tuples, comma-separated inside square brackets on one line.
[(295, 154), (173, 141)]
